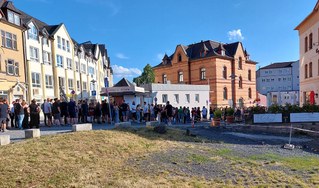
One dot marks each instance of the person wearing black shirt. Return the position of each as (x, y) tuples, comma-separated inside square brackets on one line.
[(64, 111), (169, 112), (124, 109), (56, 112)]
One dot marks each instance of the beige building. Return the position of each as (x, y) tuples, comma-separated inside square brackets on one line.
[(56, 64), (12, 63), (309, 58)]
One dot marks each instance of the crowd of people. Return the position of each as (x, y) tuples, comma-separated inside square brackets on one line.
[(60, 112)]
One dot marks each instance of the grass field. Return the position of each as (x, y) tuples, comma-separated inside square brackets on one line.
[(142, 158)]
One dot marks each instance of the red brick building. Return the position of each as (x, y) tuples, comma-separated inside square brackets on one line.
[(226, 67)]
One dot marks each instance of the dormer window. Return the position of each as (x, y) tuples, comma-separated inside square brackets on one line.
[(33, 32), (13, 18)]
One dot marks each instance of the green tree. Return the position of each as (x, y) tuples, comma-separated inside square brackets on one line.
[(147, 76)]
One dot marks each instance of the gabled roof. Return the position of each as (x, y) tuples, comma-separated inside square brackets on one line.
[(123, 83), (279, 65), (51, 28), (212, 48)]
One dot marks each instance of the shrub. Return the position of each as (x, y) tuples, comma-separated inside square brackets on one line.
[(230, 111), (218, 113), (310, 108), (258, 109)]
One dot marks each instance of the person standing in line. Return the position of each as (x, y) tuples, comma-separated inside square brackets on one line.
[(72, 112), (138, 113), (17, 108), (64, 112), (104, 109), (145, 111), (85, 111), (133, 111), (4, 109), (116, 113), (79, 111), (34, 114), (211, 113), (169, 112), (56, 112), (25, 109), (47, 110), (204, 113), (124, 108), (12, 115), (97, 113)]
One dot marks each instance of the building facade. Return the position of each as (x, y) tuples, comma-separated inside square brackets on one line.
[(178, 94), (12, 69), (226, 68), (308, 31), (40, 61), (279, 82)]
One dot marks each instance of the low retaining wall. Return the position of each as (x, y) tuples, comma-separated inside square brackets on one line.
[(4, 140), (32, 133), (82, 127)]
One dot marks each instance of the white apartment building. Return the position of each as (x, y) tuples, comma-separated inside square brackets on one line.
[(309, 58), (178, 94), (38, 46), (279, 82)]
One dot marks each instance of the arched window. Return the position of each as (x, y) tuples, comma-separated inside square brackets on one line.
[(180, 76), (249, 75), (306, 71), (202, 73), (164, 79), (240, 82), (310, 69), (240, 63), (225, 93), (249, 93), (225, 72), (179, 57)]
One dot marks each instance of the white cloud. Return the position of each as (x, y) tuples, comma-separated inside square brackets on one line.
[(120, 71), (235, 35), (121, 56)]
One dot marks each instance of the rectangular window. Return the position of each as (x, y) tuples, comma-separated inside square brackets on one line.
[(13, 18), (69, 63), (70, 84), (63, 44), (34, 54), (59, 42), (33, 32), (35, 79), (78, 85), (59, 61), (61, 82), (91, 70), (83, 68), (49, 81), (196, 97), (68, 46), (9, 40), (45, 41), (187, 98), (176, 98), (84, 86), (306, 44), (77, 66), (164, 98), (12, 67), (310, 41), (46, 57)]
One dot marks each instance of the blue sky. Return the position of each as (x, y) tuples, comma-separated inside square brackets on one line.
[(142, 31)]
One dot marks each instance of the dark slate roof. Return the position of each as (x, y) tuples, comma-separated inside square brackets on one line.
[(279, 65), (102, 49), (212, 48), (123, 83), (51, 28), (9, 5)]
